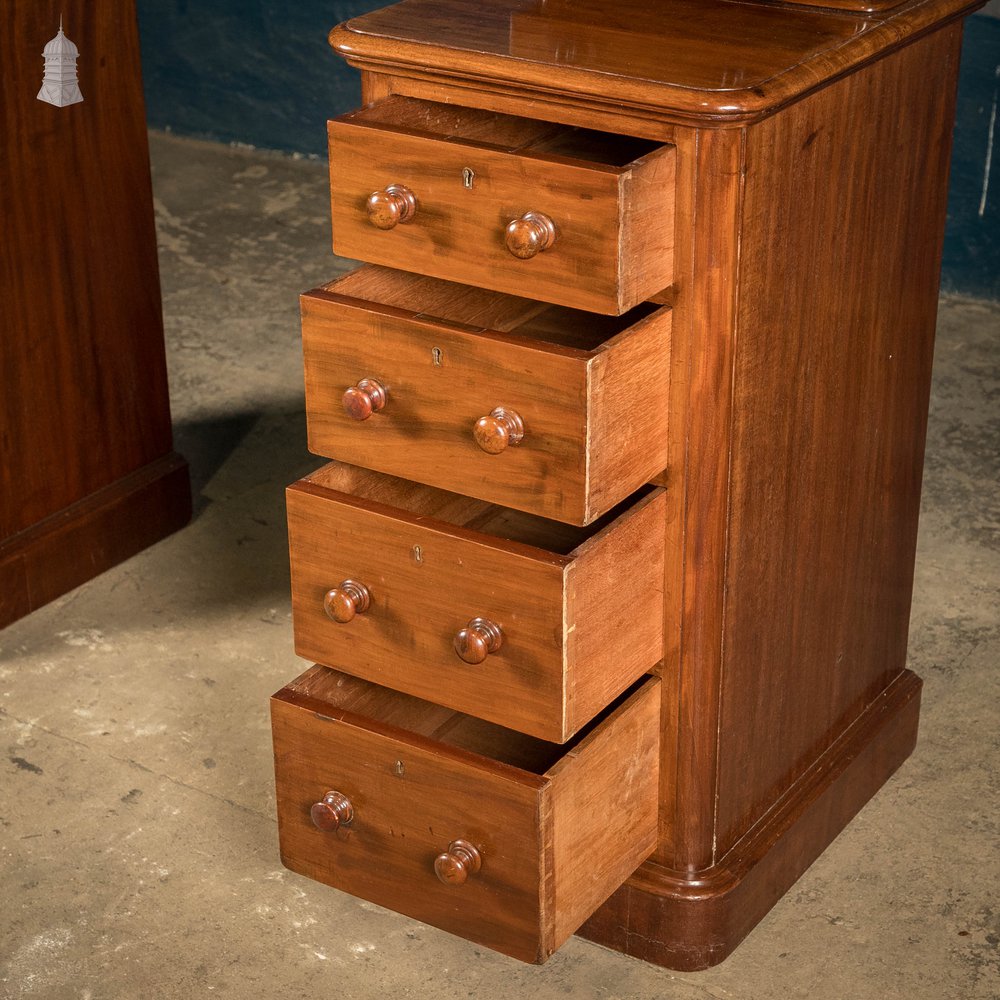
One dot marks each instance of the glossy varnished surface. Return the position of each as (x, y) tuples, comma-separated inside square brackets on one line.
[(79, 285), (825, 503), (710, 60)]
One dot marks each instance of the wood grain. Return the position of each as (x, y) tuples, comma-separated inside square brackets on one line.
[(546, 862), (550, 107), (578, 626), (863, 6), (613, 599), (459, 232), (84, 401), (628, 428), (815, 512), (698, 493), (830, 417), (591, 391)]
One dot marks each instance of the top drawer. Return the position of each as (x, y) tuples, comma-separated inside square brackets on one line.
[(564, 215)]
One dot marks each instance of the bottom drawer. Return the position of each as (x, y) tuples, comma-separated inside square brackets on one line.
[(499, 837)]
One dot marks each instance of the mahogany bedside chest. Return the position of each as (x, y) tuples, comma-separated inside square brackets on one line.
[(608, 580)]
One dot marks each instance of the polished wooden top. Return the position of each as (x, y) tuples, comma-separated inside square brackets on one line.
[(721, 62)]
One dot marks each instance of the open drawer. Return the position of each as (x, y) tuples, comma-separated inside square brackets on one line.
[(547, 409), (552, 212), (489, 834), (526, 622)]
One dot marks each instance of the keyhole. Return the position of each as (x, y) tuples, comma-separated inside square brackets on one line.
[(436, 355), (468, 177), (418, 554)]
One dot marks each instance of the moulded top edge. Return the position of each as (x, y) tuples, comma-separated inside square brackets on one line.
[(718, 61)]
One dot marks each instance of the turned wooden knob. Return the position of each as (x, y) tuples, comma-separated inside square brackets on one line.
[(367, 397), (477, 640), (495, 432), (332, 812), (530, 235), (391, 206), (457, 863), (344, 602)]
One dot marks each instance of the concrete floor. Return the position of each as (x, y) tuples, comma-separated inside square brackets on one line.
[(139, 850)]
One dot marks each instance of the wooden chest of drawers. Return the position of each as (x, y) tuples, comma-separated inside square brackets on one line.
[(608, 581)]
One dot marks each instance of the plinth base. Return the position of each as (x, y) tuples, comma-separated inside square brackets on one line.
[(694, 923), (80, 541)]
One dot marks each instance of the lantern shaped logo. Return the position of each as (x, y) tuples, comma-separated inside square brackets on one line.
[(60, 85)]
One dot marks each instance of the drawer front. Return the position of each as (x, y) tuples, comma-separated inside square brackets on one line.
[(591, 424), (575, 630), (547, 848), (610, 227)]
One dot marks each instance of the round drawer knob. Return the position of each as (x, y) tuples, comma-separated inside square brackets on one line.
[(457, 863), (391, 206), (367, 397), (497, 431), (477, 640), (344, 602), (332, 812), (530, 235)]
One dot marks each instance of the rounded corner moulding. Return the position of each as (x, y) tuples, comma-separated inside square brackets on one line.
[(880, 30)]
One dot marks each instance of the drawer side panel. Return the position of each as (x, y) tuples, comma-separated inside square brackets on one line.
[(614, 608), (604, 810), (648, 225), (629, 407)]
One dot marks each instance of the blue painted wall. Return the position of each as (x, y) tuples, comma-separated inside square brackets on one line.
[(972, 238), (261, 72), (253, 71)]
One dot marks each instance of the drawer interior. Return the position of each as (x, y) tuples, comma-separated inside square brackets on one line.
[(421, 297), (357, 484), (379, 706), (509, 133)]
